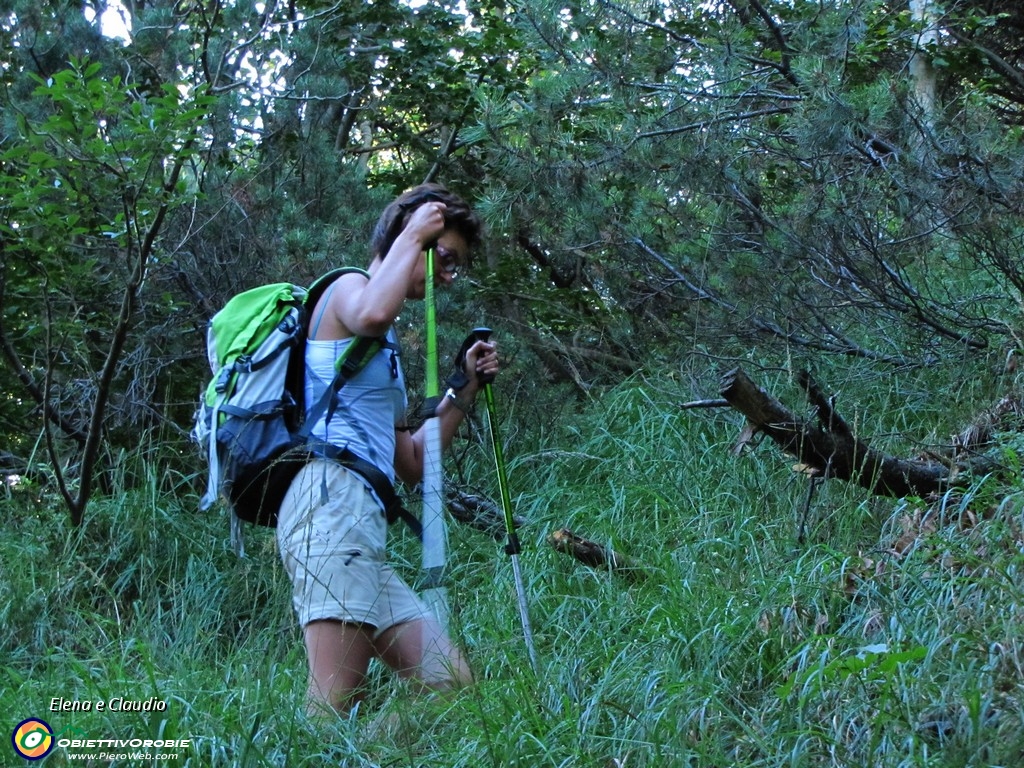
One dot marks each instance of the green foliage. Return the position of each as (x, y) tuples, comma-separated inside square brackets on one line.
[(737, 645), (670, 189), (654, 178), (86, 188), (765, 168)]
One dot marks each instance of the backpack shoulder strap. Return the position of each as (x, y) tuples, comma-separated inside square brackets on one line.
[(352, 361), (297, 364), (358, 353), (355, 357)]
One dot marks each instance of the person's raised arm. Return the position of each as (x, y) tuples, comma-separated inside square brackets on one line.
[(369, 307)]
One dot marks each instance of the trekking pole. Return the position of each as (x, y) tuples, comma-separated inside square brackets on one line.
[(434, 531), (512, 547)]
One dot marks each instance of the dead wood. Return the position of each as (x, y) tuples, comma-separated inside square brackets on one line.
[(830, 446), (480, 512), (712, 403), (1006, 415), (593, 554)]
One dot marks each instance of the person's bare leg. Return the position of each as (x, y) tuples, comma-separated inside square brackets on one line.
[(422, 652), (339, 655)]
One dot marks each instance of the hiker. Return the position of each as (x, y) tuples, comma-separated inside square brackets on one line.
[(331, 529)]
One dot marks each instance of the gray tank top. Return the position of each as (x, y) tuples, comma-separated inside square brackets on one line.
[(370, 405)]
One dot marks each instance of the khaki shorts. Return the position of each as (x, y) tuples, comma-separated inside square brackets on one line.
[(334, 552)]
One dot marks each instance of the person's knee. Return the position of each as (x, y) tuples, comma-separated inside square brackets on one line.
[(462, 675), (443, 668), (422, 652)]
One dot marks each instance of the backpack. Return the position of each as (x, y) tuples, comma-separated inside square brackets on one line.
[(252, 420)]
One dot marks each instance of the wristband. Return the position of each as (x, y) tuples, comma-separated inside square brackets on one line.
[(457, 401), (457, 380)]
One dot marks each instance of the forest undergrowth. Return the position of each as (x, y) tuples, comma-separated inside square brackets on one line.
[(772, 623)]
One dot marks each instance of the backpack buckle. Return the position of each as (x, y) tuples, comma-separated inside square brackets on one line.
[(221, 384)]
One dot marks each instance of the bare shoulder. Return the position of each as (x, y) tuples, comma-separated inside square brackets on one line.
[(327, 321)]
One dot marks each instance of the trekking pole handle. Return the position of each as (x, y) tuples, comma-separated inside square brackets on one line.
[(458, 379), (480, 334)]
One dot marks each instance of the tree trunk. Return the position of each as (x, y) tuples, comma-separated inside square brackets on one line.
[(922, 71)]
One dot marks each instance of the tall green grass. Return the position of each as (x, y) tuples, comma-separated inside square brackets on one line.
[(773, 626)]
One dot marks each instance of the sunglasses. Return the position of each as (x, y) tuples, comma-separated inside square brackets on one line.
[(448, 261)]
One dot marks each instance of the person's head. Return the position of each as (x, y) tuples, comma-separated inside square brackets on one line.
[(458, 216)]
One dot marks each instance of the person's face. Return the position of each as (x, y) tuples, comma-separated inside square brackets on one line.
[(450, 255)]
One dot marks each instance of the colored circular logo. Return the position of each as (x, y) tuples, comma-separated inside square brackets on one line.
[(32, 738)]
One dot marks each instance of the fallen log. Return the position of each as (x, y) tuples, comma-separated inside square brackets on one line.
[(478, 511), (593, 554), (830, 446)]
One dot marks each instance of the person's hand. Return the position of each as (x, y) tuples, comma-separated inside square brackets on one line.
[(482, 362), (426, 223)]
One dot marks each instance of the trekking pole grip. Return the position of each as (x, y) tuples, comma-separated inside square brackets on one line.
[(480, 334), (458, 379)]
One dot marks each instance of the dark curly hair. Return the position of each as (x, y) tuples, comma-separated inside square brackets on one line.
[(457, 216)]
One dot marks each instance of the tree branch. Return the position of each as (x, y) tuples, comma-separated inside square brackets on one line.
[(833, 450)]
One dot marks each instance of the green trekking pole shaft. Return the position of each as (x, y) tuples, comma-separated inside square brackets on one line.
[(512, 548), (435, 534), (433, 386)]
